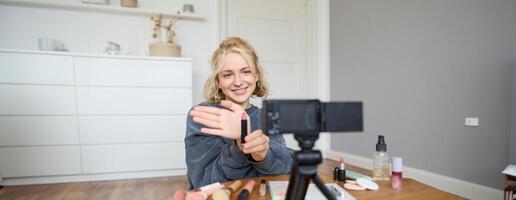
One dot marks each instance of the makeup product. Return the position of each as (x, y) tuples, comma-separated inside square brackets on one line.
[(339, 173), (211, 186), (224, 194), (354, 175), (220, 195), (396, 178), (336, 173), (202, 194), (263, 188), (248, 188), (243, 130), (233, 187), (342, 170), (351, 186), (368, 184), (381, 161), (208, 190)]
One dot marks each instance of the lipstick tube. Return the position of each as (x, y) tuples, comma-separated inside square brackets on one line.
[(341, 171), (243, 130)]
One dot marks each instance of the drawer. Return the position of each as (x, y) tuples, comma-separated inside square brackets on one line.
[(132, 129), (38, 130), (37, 99), (36, 68), (132, 72), (133, 101), (133, 157), (39, 161)]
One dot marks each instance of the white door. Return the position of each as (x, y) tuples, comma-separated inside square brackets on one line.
[(278, 31)]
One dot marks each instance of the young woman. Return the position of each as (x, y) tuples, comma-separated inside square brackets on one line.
[(214, 152)]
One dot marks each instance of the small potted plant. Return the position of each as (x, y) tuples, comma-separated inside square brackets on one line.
[(163, 34)]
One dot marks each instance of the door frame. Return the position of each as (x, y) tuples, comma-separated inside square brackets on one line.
[(318, 51)]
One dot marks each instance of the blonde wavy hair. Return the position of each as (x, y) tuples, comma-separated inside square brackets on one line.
[(212, 93)]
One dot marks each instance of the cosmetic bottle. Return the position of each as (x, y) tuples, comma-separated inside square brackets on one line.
[(342, 170), (396, 177), (381, 161)]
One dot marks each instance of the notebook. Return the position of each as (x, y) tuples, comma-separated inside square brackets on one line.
[(278, 190)]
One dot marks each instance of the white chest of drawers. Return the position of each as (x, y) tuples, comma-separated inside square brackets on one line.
[(78, 117)]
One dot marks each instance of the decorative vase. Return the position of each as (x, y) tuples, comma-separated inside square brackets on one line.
[(164, 49), (163, 35)]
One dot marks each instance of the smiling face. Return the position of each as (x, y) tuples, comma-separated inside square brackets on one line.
[(237, 79)]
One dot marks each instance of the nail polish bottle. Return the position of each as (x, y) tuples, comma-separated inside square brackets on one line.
[(396, 177)]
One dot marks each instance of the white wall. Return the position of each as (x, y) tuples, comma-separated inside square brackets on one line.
[(421, 67), (88, 32), (512, 159)]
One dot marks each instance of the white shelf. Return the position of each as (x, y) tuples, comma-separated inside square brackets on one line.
[(110, 9), (58, 53)]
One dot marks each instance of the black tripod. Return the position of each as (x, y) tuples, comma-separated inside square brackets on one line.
[(304, 169)]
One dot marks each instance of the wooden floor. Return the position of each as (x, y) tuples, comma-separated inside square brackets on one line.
[(148, 188), (137, 189)]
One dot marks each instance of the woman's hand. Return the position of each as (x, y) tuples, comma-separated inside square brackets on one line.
[(221, 122), (257, 144)]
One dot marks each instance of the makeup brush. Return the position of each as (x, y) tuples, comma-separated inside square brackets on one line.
[(202, 194), (248, 188), (224, 194)]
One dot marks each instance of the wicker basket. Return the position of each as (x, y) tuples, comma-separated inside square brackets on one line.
[(129, 3)]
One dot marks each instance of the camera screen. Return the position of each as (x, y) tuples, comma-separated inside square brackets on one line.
[(299, 117), (291, 116), (309, 117)]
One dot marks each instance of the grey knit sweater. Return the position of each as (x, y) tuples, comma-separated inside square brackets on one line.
[(212, 158)]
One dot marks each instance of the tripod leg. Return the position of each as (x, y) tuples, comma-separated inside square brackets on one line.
[(320, 184), (298, 185)]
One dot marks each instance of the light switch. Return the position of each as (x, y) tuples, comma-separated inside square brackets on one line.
[(471, 121)]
